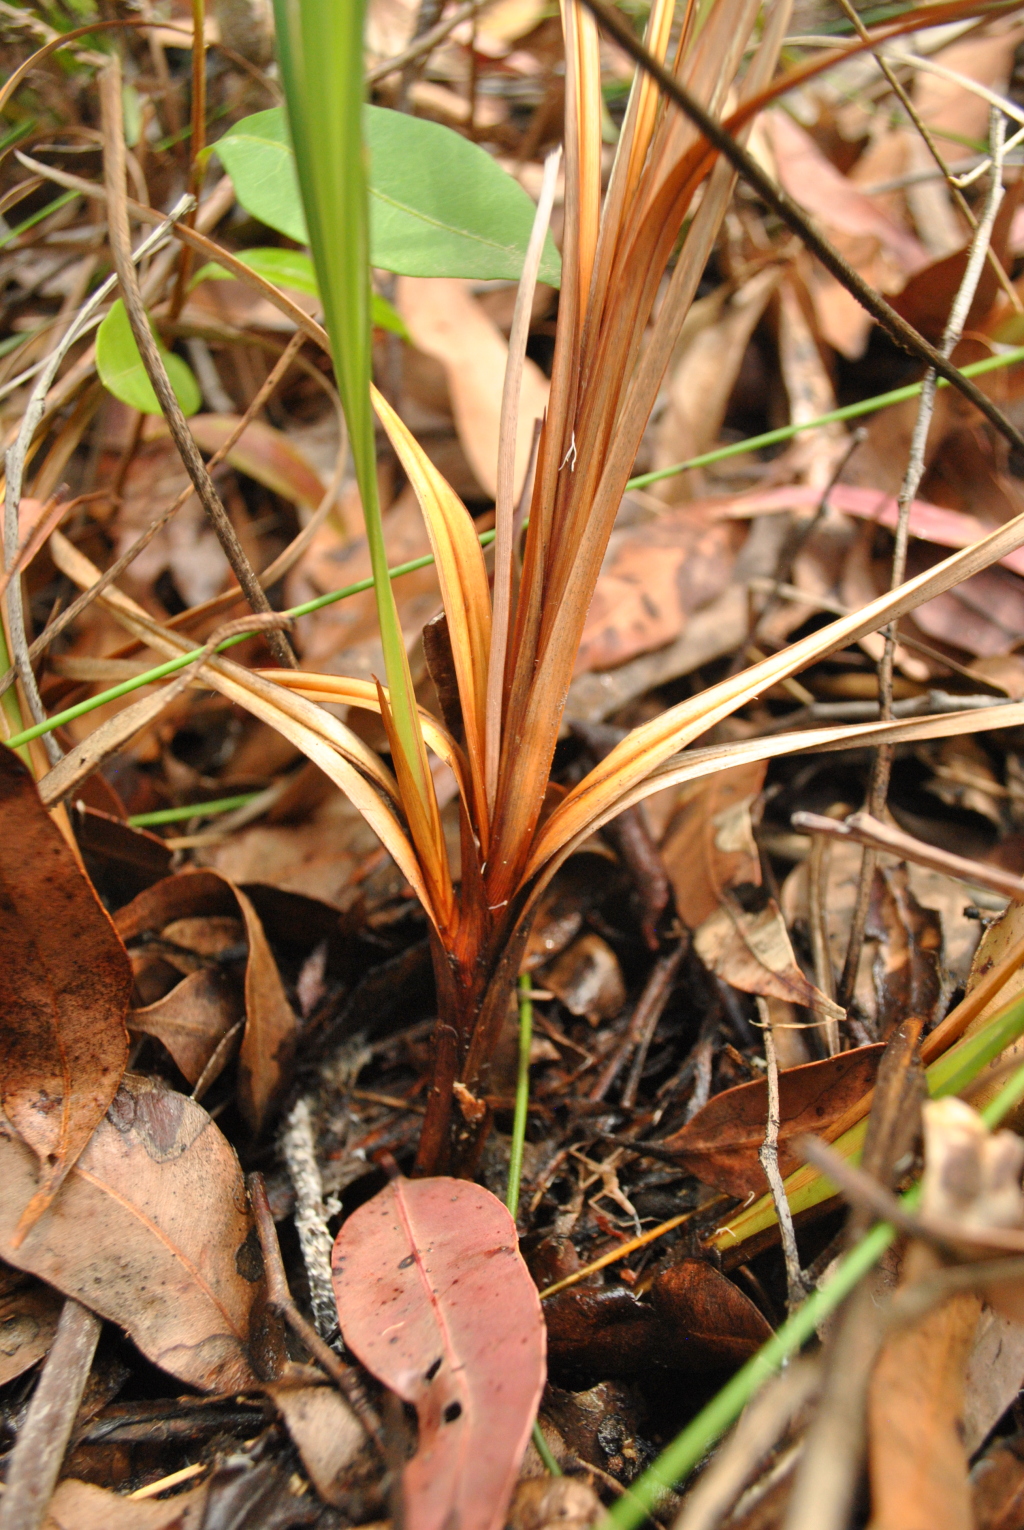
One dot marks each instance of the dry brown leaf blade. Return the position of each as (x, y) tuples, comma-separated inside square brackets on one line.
[(270, 1026), (65, 983), (434, 1298), (152, 1229)]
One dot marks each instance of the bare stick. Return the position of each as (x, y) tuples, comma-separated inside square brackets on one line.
[(120, 245), (280, 1298), (879, 787), (505, 507), (817, 885), (43, 1438), (769, 1156), (865, 830)]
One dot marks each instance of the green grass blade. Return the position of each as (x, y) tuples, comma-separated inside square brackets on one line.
[(320, 44)]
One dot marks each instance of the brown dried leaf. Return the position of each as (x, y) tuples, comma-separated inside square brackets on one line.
[(908, 964), (326, 1432), (997, 1486), (28, 1321), (152, 1230), (654, 578), (752, 952), (720, 1144), (82, 1506), (696, 1320), (917, 1458), (269, 1039), (588, 979), (709, 845), (192, 1020), (434, 1299), (65, 982)]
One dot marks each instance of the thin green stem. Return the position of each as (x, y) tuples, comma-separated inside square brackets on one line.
[(515, 1157), (544, 1451), (720, 454), (689, 1448), (37, 217), (192, 810)]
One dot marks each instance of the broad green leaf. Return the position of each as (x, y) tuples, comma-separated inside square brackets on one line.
[(120, 367), (294, 269), (439, 205)]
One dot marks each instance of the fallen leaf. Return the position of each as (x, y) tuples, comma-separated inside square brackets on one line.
[(653, 579), (721, 1143), (908, 962), (269, 1039), (708, 847), (995, 945), (192, 1020), (696, 1320), (997, 1486), (918, 1463), (588, 979), (554, 1503), (323, 1427), (28, 1321), (752, 952), (65, 982), (446, 321), (435, 1300), (263, 454), (82, 1506), (152, 1230)]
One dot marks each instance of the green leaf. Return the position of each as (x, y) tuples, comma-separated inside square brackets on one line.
[(294, 269), (120, 367), (439, 205)]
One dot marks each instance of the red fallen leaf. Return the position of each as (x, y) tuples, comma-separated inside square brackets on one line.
[(434, 1299), (269, 1038), (65, 982), (721, 1143)]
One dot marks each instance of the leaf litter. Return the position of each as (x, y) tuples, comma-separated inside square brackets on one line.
[(274, 952)]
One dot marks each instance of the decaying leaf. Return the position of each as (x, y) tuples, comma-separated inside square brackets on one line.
[(720, 1144), (82, 1506), (326, 1432), (28, 1321), (435, 1300), (588, 979), (269, 1037), (193, 1020), (752, 951), (172, 1253), (65, 981), (695, 1320), (709, 845), (907, 969)]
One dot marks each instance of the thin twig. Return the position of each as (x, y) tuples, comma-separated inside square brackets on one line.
[(426, 42), (862, 829), (798, 222), (35, 1462), (769, 1156), (817, 898), (878, 790), (120, 245), (280, 1298)]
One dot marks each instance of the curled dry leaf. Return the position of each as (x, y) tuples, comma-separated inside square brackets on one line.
[(695, 1320), (65, 981), (720, 1144), (269, 1039), (435, 1300), (709, 845), (193, 1020), (28, 1321), (152, 1229), (751, 950)]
